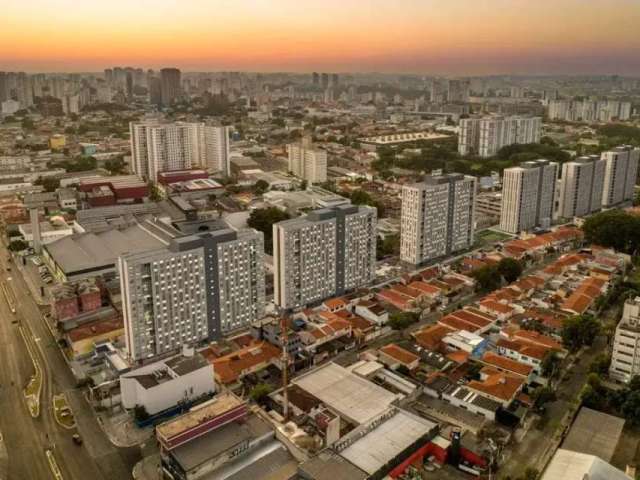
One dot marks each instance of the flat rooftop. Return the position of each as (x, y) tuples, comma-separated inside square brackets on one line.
[(354, 398), (594, 433), (221, 403), (371, 451)]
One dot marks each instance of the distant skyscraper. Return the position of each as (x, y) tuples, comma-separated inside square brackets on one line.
[(437, 217), (528, 196), (315, 78), (216, 149), (323, 254), (324, 80), (129, 79), (197, 288), (155, 90), (4, 88), (171, 85), (620, 174), (308, 162), (108, 76), (486, 136), (581, 187)]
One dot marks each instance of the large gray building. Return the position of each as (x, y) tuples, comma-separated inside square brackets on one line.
[(325, 253), (621, 171), (199, 287), (581, 186), (437, 217), (528, 196), (485, 136)]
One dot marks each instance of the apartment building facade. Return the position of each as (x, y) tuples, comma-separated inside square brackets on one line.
[(196, 288), (437, 218), (325, 253), (307, 162), (581, 186), (625, 354), (528, 196), (485, 136), (620, 174)]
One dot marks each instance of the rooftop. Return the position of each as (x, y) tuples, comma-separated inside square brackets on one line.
[(594, 433)]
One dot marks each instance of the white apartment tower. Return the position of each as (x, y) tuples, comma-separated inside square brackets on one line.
[(198, 288), (621, 171), (307, 162), (325, 253), (528, 196), (437, 217), (160, 146), (581, 187), (625, 355), (485, 136)]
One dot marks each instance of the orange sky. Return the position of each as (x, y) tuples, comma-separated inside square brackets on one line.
[(422, 36)]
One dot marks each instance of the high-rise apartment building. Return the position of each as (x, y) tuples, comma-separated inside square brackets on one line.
[(589, 110), (171, 87), (581, 187), (325, 253), (620, 174), (437, 217), (308, 162), (160, 147), (199, 287), (625, 355), (485, 136), (528, 196)]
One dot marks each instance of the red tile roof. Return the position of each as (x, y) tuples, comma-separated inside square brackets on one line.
[(400, 354), (503, 363), (497, 384)]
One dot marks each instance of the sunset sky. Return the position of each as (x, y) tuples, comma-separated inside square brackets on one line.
[(463, 37)]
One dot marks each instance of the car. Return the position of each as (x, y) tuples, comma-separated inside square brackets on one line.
[(43, 268), (36, 261), (77, 439), (48, 280)]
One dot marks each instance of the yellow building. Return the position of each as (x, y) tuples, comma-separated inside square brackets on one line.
[(57, 142)]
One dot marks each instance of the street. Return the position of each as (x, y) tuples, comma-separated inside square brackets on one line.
[(26, 439)]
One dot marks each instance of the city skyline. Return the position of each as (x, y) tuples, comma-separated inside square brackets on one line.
[(423, 37)]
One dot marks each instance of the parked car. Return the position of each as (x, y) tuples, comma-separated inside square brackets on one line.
[(77, 439), (36, 261), (48, 280)]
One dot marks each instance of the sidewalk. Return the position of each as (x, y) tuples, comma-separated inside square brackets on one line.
[(121, 429), (148, 468)]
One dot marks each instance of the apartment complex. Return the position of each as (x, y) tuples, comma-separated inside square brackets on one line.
[(325, 253), (196, 288), (528, 196), (485, 136), (160, 146), (625, 356), (437, 217), (581, 186), (589, 110), (621, 171), (307, 162)]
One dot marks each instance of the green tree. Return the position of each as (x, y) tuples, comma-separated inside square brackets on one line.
[(262, 219), (631, 408), (487, 278), (600, 364), (115, 165), (550, 363), (260, 392), (18, 245), (50, 184), (260, 187), (579, 331), (389, 246), (614, 228), (543, 395), (402, 320), (510, 269)]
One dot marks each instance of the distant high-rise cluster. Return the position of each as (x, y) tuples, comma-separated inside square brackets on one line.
[(197, 288), (437, 217), (449, 90), (170, 85), (485, 136), (589, 110), (307, 161), (324, 253), (325, 80), (162, 146)]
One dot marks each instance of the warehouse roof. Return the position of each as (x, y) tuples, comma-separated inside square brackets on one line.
[(594, 433), (352, 397)]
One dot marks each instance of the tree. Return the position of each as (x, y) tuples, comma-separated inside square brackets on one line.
[(402, 320), (543, 395), (140, 413), (260, 187), (614, 228), (631, 407), (487, 278), (115, 165), (18, 245), (579, 331), (260, 392), (600, 364), (390, 245), (50, 184), (510, 269), (550, 363), (262, 219)]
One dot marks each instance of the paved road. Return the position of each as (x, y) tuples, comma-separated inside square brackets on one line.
[(26, 438)]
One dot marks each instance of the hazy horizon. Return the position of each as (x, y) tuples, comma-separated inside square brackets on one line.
[(462, 37)]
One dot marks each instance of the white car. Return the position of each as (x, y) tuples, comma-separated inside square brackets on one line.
[(36, 261)]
